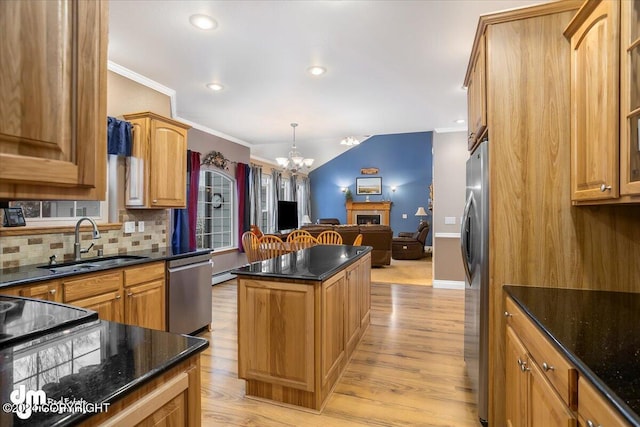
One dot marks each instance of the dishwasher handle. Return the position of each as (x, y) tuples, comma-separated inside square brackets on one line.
[(190, 266)]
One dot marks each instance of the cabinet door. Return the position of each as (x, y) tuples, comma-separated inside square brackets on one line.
[(167, 165), (53, 103), (476, 97), (332, 328), (145, 305), (516, 380), (49, 291), (136, 181), (108, 305), (546, 408), (630, 98), (352, 307), (594, 105), (593, 410)]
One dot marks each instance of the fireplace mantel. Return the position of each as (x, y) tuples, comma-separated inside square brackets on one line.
[(355, 208)]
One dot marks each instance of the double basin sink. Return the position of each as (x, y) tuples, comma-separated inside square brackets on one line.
[(87, 265)]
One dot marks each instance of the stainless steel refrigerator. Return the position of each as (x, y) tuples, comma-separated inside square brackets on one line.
[(474, 240)]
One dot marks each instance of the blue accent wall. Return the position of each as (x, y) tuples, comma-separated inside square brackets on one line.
[(403, 160)]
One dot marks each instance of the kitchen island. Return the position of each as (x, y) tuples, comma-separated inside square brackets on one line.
[(300, 317), (110, 372)]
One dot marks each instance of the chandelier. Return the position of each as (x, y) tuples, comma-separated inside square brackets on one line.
[(295, 162), (349, 141)]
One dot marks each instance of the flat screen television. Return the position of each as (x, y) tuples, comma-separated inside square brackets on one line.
[(287, 215)]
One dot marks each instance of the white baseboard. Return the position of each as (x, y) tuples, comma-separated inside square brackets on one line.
[(448, 284), (222, 277)]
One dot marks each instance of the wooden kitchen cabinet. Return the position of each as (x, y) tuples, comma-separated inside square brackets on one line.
[(53, 103), (352, 317), (541, 387), (477, 96), (605, 106), (593, 410), (157, 170), (48, 291), (101, 292), (145, 301), (364, 283), (332, 345)]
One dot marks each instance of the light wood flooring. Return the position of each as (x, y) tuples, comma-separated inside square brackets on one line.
[(408, 369)]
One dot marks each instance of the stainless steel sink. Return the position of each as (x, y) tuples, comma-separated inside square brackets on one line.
[(92, 263)]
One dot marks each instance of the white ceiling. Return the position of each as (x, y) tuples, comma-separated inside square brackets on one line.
[(392, 66)]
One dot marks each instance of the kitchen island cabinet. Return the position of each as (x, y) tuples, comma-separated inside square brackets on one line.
[(53, 105), (297, 316)]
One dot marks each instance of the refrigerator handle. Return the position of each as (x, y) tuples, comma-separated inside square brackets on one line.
[(465, 233)]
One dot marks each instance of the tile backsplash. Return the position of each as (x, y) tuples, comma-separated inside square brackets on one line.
[(16, 251)]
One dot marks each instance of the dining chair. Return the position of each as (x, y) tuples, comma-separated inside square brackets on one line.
[(358, 240), (296, 233), (271, 246), (251, 245), (329, 237), (302, 241)]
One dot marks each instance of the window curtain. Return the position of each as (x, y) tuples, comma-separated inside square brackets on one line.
[(244, 201), (276, 180), (185, 220), (255, 193), (303, 197)]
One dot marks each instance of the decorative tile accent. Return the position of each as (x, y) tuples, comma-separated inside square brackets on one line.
[(34, 241), (11, 250)]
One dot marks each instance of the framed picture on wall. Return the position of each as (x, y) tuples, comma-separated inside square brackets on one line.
[(369, 186)]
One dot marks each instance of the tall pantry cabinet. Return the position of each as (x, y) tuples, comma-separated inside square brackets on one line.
[(527, 94), (53, 106)]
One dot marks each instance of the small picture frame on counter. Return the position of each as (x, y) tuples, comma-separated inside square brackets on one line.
[(13, 217)]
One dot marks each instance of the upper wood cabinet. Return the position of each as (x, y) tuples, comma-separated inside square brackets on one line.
[(605, 150), (53, 104), (157, 169), (477, 96)]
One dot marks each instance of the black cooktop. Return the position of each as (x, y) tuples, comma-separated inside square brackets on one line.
[(23, 318)]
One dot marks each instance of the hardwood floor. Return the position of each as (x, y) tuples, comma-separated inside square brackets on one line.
[(408, 369)]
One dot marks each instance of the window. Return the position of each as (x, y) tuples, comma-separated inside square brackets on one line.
[(62, 210), (266, 209), (215, 224)]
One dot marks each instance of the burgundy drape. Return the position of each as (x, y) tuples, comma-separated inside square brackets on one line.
[(242, 182), (193, 161)]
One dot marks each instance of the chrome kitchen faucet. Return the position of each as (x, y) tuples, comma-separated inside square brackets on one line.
[(77, 250)]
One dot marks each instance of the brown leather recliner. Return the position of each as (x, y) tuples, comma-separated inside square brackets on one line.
[(410, 245)]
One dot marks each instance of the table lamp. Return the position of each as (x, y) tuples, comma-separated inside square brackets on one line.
[(306, 219), (421, 212)]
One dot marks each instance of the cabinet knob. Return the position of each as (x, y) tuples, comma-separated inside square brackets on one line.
[(129, 294), (605, 187), (118, 296), (592, 424), (523, 367), (520, 362), (547, 367), (156, 200), (52, 291), (507, 314)]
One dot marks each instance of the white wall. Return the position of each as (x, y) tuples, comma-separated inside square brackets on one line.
[(449, 175)]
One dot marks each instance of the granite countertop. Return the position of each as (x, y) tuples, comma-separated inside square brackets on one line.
[(27, 274), (316, 263), (598, 331), (99, 362)]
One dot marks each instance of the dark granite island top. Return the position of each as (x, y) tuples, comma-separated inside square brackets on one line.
[(99, 362), (316, 263), (598, 331)]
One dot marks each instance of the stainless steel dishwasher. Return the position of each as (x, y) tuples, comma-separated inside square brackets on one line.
[(189, 293)]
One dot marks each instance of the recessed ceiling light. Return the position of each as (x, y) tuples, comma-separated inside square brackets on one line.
[(317, 70), (216, 87), (203, 22), (459, 121)]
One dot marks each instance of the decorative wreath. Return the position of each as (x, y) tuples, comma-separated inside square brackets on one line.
[(217, 159)]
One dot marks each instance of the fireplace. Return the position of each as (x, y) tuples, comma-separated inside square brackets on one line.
[(367, 219)]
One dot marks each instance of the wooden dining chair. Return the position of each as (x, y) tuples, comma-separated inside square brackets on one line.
[(271, 246), (329, 237), (296, 233), (302, 241), (358, 240), (251, 245)]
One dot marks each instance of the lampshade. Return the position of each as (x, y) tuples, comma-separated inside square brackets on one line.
[(306, 219), (421, 212)]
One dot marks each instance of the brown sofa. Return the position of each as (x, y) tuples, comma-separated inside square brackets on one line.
[(377, 236)]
